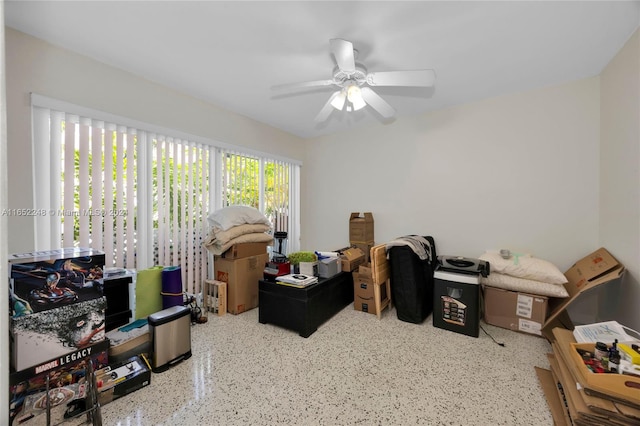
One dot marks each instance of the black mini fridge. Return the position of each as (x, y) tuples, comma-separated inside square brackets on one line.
[(456, 295)]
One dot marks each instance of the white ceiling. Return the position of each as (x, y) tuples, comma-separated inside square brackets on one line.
[(231, 53)]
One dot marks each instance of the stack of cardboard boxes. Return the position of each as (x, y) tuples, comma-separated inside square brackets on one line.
[(372, 284), (577, 394), (241, 267)]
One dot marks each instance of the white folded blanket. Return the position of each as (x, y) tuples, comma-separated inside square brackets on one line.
[(217, 248), (220, 236)]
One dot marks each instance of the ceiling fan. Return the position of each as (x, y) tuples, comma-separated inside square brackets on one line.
[(354, 83)]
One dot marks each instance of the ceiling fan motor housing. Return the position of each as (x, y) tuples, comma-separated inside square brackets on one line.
[(343, 78)]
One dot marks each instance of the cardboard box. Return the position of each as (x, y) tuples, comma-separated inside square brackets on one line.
[(365, 247), (619, 385), (361, 227), (363, 283), (614, 386), (366, 270), (593, 270), (364, 289), (238, 251), (514, 310), (570, 401), (50, 279), (365, 305), (242, 276), (363, 286), (118, 380), (329, 266), (351, 259), (59, 332), (551, 389)]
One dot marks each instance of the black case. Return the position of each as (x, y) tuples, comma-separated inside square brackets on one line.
[(412, 282)]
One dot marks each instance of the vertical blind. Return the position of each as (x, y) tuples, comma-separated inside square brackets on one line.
[(87, 190), (142, 195), (182, 197)]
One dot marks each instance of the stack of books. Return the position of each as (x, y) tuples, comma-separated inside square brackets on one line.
[(297, 280)]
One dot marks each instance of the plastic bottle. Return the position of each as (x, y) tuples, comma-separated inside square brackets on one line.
[(614, 358), (601, 350)]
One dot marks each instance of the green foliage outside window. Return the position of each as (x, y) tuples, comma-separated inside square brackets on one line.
[(241, 184)]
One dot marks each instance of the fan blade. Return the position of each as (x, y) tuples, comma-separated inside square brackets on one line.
[(416, 78), (302, 85), (343, 52), (376, 102), (327, 108)]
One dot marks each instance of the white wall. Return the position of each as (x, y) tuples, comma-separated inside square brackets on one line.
[(36, 66), (620, 175), (517, 172)]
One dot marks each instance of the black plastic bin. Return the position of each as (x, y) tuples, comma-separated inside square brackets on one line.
[(412, 282)]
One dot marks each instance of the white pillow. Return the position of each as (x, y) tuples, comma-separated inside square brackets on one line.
[(526, 266), (523, 285), (228, 217)]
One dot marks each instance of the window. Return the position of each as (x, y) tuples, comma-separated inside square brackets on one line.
[(142, 194), (263, 183)]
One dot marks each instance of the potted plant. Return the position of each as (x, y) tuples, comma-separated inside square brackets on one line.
[(305, 262)]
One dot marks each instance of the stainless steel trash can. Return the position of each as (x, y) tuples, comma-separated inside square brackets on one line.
[(170, 331)]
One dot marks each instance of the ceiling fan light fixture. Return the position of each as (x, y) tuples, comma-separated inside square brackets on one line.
[(338, 101), (354, 94)]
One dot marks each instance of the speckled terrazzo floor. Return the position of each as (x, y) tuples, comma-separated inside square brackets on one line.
[(355, 369)]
